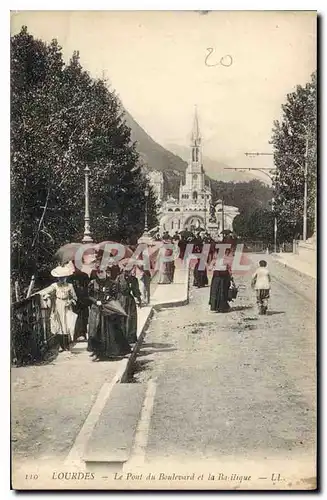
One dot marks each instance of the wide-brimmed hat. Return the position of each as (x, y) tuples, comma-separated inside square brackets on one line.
[(62, 271)]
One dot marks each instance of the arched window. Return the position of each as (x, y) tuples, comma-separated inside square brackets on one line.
[(170, 209), (195, 195), (177, 210)]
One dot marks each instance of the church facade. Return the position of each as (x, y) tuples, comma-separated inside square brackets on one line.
[(193, 210)]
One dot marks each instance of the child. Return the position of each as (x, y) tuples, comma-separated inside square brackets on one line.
[(261, 283)]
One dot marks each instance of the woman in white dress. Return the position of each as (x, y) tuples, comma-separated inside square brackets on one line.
[(61, 297)]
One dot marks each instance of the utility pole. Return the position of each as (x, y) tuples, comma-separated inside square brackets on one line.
[(205, 207), (223, 216), (305, 196), (266, 171), (305, 201)]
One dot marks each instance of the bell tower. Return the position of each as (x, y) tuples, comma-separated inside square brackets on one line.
[(195, 172), (196, 140)]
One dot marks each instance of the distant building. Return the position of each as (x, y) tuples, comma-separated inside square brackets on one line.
[(193, 209)]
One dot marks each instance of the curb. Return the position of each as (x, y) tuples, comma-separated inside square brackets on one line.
[(156, 307), (130, 361), (121, 376), (296, 271)]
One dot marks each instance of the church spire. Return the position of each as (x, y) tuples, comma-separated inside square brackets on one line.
[(196, 137)]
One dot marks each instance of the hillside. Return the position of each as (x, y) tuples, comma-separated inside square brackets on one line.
[(154, 156), (237, 188), (214, 169)]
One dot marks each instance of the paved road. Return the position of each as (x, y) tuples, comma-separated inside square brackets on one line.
[(236, 385)]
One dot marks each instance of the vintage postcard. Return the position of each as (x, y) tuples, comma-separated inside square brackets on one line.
[(163, 250)]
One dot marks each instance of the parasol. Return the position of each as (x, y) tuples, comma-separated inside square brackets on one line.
[(67, 253), (111, 307), (102, 246), (89, 252)]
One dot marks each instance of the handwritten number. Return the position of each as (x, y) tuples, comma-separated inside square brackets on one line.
[(226, 60), (210, 50)]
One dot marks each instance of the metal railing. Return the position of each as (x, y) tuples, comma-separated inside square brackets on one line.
[(31, 336), (262, 247)]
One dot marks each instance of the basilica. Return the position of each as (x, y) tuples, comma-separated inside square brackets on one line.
[(194, 209)]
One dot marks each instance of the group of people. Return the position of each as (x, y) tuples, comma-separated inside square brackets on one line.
[(101, 308), (197, 239), (223, 288)]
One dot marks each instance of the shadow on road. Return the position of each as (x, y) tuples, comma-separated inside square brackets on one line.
[(240, 308), (156, 345), (271, 313), (147, 352), (138, 368)]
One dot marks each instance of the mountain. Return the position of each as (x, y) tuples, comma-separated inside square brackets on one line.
[(239, 189), (154, 156), (214, 169)]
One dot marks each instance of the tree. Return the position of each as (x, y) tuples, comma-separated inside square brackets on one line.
[(259, 225), (62, 120), (291, 136), (240, 225), (246, 196)]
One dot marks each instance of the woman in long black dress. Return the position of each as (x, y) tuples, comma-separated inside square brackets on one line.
[(106, 332), (200, 276), (128, 293), (220, 284), (80, 282)]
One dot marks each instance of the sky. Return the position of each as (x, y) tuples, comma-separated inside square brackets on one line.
[(160, 66)]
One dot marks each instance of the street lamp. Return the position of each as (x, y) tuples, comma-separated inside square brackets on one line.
[(146, 237), (87, 238), (146, 193)]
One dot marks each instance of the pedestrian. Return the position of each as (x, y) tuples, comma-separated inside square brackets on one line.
[(80, 281), (220, 283), (61, 298), (261, 283), (128, 293), (200, 276), (106, 325), (166, 269), (145, 281)]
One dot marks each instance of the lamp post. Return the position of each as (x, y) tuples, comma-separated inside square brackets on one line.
[(87, 238), (146, 193), (146, 237)]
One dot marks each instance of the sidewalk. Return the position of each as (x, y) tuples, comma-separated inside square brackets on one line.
[(55, 406), (294, 262)]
